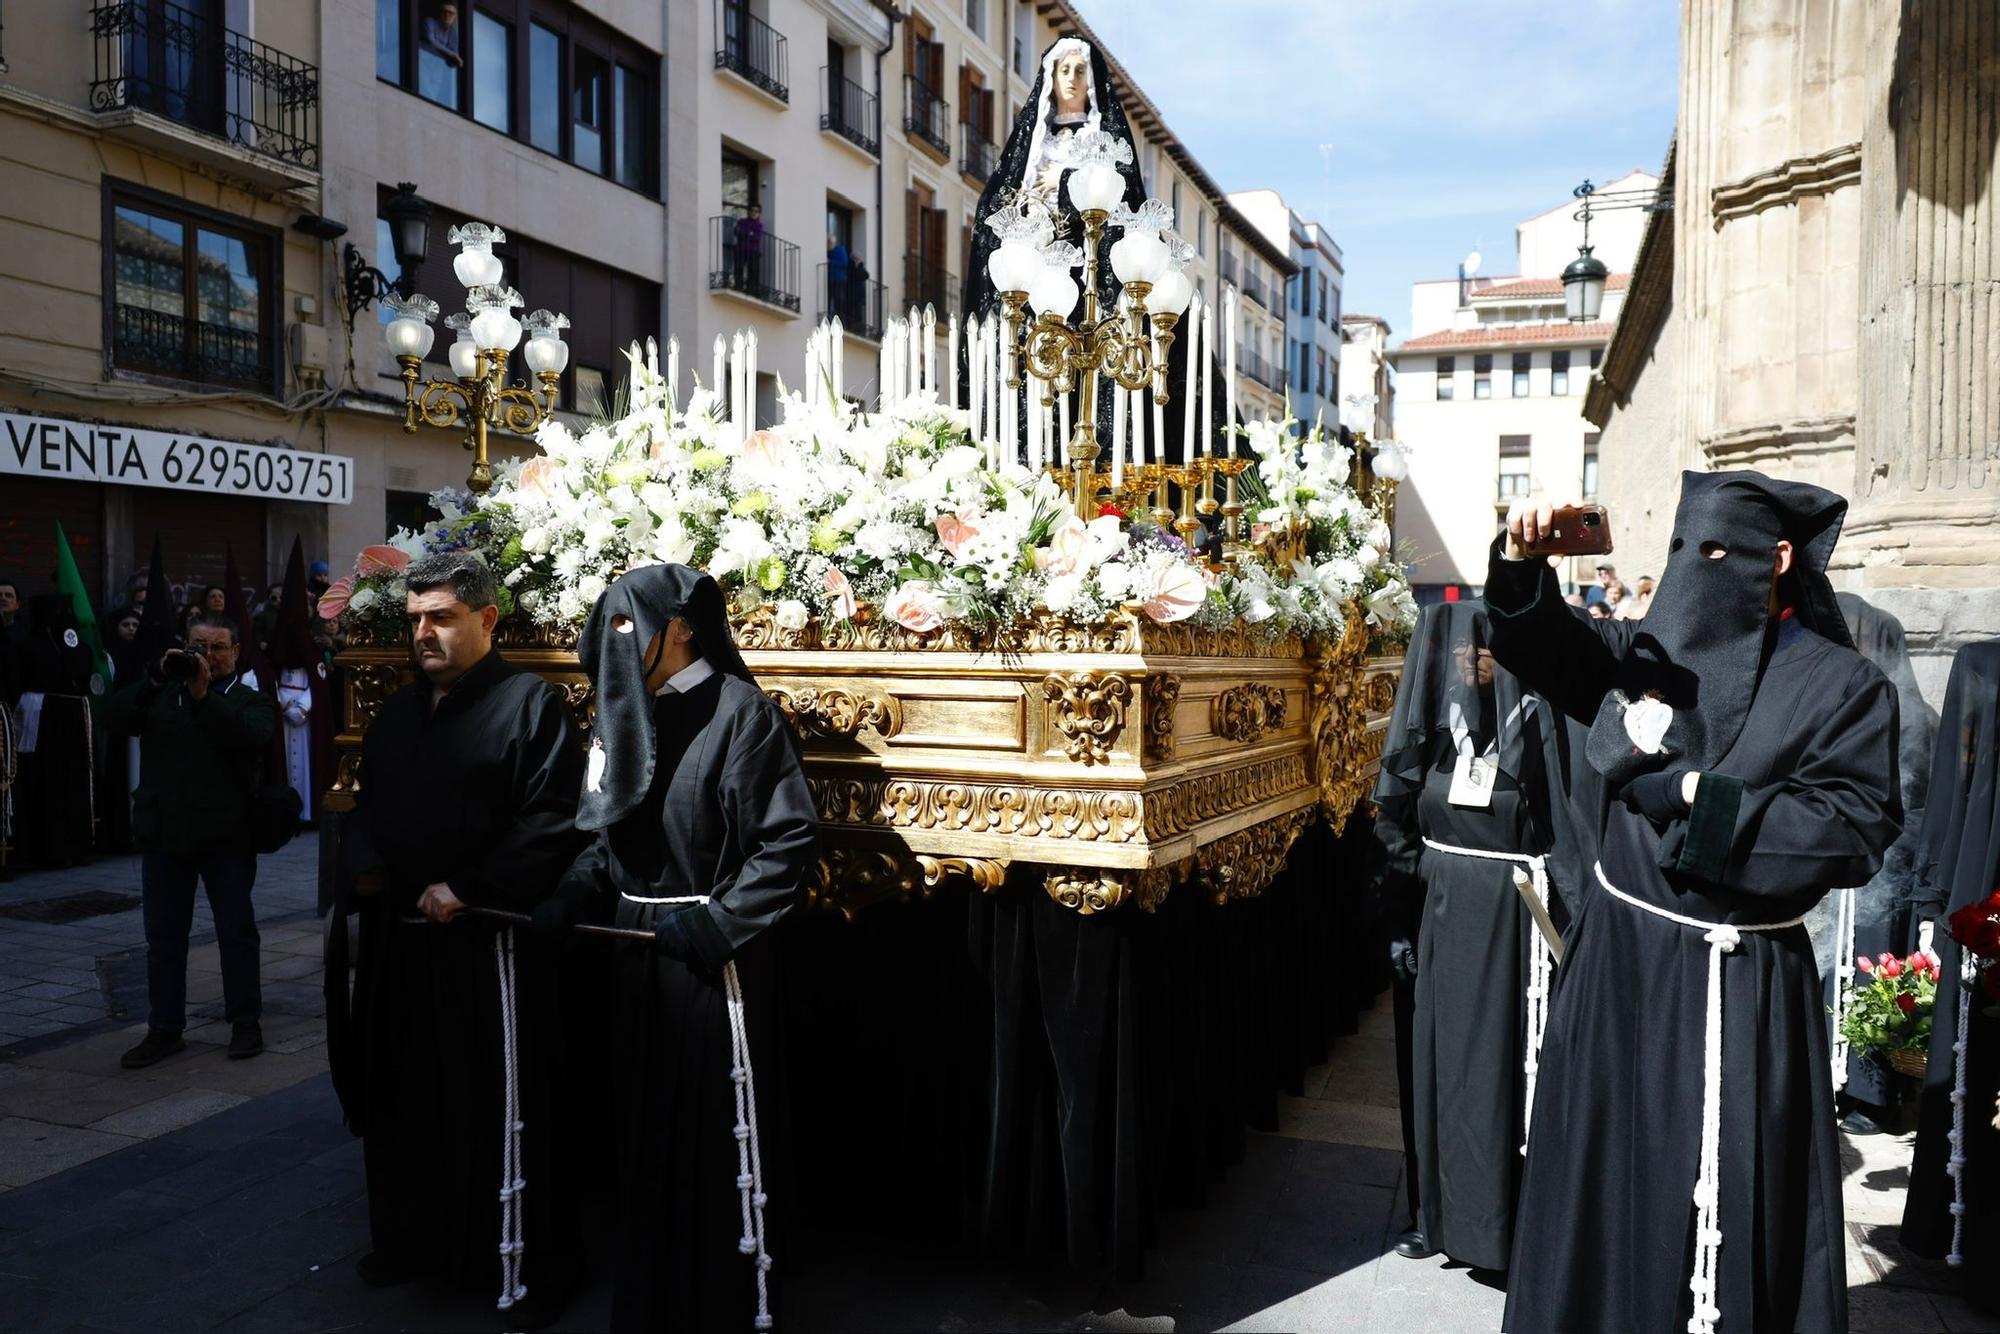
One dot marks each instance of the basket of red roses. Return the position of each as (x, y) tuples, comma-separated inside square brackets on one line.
[(1890, 1017)]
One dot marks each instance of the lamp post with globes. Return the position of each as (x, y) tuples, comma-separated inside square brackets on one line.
[(1583, 281), (487, 333)]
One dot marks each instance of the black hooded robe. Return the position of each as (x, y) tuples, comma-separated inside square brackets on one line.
[(1470, 1024), (1800, 799), (1958, 859), (478, 792), (695, 795), (55, 784)]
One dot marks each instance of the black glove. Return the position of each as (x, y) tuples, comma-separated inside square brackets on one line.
[(1403, 959), (1657, 796), (674, 936), (554, 916)]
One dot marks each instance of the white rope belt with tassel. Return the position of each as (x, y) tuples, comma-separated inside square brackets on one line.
[(1843, 982), (1541, 968), (513, 1244), (1722, 938), (1968, 972), (749, 1153)]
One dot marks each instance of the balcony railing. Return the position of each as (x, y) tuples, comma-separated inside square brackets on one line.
[(927, 284), (1263, 372), (747, 46), (1227, 267), (157, 57), (976, 160), (766, 268), (153, 340), (926, 115), (1253, 287), (850, 111), (856, 300)]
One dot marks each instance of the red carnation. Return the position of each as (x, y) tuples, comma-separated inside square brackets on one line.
[(1112, 510), (1906, 1003)]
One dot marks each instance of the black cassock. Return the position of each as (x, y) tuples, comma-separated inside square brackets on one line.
[(726, 817), (1607, 1237), (1958, 858), (1472, 1022), (479, 793)]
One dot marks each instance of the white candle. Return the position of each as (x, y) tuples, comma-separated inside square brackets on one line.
[(1139, 397), (1061, 442), (1159, 409), (715, 378), (913, 363), (1003, 404), (951, 363), (1230, 323), (1191, 386), (837, 359), (674, 369), (750, 381), (930, 350), (1205, 414), (1117, 435)]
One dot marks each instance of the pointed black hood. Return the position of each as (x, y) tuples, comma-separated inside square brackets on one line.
[(1708, 634), (614, 650)]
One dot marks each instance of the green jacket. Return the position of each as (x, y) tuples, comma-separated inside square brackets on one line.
[(198, 763)]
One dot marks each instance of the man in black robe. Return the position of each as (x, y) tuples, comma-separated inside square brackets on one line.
[(466, 800), (1473, 789), (705, 834), (1684, 1171)]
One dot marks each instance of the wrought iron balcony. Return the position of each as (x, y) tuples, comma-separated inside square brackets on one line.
[(764, 269), (927, 284), (747, 46), (158, 57), (856, 300), (153, 340), (926, 115), (1253, 287), (976, 160), (850, 111)]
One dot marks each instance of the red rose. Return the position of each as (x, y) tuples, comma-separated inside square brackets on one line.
[(1906, 1003), (1864, 963), (1891, 967)]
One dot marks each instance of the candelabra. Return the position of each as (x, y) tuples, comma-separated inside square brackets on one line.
[(1127, 344), (479, 398)]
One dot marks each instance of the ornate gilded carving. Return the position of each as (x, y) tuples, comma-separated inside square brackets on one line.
[(1089, 711), (1086, 891), (830, 711), (758, 628), (369, 689), (1180, 807), (986, 873), (850, 879), (1248, 711), (1381, 693), (1340, 724), (1023, 811), (1163, 692), (579, 698), (1242, 864)]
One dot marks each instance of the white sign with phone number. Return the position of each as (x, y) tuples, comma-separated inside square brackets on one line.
[(128, 456)]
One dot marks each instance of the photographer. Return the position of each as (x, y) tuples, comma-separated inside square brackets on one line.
[(202, 734)]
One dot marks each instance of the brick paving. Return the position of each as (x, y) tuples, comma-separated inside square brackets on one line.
[(207, 1194)]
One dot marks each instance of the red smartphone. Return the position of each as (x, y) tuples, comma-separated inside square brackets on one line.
[(1576, 530)]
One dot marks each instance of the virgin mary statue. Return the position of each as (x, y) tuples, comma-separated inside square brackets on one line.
[(1072, 96)]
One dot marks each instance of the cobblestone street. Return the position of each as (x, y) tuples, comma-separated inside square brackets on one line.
[(207, 1194)]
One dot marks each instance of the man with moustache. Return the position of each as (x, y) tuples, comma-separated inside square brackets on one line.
[(467, 795)]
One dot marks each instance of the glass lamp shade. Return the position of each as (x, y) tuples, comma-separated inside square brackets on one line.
[(408, 337), (1095, 185), (476, 267), (546, 354), (464, 358), (1054, 292), (1583, 287), (496, 330), (1139, 257), (1391, 463), (1170, 295), (1013, 266)]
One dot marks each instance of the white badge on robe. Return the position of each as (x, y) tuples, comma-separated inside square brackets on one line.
[(593, 778), (1472, 779)]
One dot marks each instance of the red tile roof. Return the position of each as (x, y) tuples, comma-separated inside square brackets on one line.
[(1539, 287), (1507, 335)]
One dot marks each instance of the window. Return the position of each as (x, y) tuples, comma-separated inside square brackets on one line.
[(1177, 202), (1559, 372), (492, 73), (545, 62), (1447, 368), (1325, 311), (1321, 382), (389, 40), (1590, 463), (1596, 356), (1523, 363), (1514, 451), (975, 17), (630, 101), (440, 52), (742, 183), (1201, 231), (587, 98), (1482, 375), (192, 294)]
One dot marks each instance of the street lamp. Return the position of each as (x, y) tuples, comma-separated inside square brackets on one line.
[(409, 219), (1583, 281)]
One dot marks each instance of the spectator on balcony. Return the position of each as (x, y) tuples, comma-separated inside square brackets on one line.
[(836, 277), (746, 257), (438, 56)]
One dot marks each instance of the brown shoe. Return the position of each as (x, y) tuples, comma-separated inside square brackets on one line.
[(154, 1047)]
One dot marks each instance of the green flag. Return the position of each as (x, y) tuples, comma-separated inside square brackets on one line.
[(69, 580)]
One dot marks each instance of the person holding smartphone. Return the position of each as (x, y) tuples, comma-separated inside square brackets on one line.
[(1741, 762)]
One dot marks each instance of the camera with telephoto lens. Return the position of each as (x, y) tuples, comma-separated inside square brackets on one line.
[(178, 664)]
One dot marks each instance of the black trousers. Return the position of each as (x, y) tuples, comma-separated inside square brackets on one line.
[(167, 882)]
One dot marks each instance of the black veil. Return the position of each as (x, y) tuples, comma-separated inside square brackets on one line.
[(1003, 191)]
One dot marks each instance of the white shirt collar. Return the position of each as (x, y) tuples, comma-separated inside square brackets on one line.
[(687, 678)]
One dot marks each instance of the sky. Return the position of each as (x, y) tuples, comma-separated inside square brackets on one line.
[(1444, 124)]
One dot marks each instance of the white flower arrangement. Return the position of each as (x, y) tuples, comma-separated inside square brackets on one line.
[(834, 509)]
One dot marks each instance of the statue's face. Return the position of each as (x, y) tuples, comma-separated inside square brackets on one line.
[(1072, 81)]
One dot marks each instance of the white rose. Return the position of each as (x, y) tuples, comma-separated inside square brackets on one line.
[(590, 588), (1114, 580), (363, 601), (535, 540), (791, 614), (1367, 558)]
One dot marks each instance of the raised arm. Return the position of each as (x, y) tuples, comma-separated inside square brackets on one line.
[(1557, 654)]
